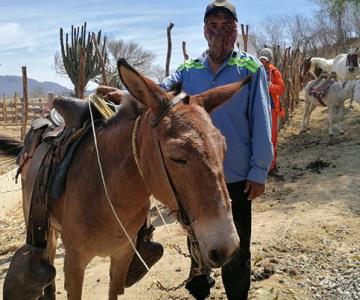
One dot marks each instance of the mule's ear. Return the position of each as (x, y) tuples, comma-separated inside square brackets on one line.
[(217, 96), (139, 86)]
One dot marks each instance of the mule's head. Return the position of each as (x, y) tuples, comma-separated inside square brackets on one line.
[(352, 60), (192, 150)]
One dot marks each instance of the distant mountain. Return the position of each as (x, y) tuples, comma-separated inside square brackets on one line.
[(10, 84)]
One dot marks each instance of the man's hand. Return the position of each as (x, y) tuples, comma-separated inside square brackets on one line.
[(254, 189), (110, 93)]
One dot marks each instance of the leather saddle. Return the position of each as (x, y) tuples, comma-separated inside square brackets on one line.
[(50, 143), (320, 87)]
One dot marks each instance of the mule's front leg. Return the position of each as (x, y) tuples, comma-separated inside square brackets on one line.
[(74, 267), (50, 290), (119, 265), (331, 118), (339, 117)]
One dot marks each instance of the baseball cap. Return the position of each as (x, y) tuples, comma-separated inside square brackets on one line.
[(221, 5)]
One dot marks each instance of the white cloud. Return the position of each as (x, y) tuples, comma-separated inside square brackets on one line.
[(13, 36)]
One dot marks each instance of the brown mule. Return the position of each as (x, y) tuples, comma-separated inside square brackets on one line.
[(180, 162)]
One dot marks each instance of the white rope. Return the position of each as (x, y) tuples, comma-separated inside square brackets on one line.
[(137, 161), (156, 282), (107, 194)]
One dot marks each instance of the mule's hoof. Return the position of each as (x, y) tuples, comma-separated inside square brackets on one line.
[(341, 132)]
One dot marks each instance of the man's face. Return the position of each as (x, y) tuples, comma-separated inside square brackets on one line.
[(220, 30), (220, 21), (265, 62)]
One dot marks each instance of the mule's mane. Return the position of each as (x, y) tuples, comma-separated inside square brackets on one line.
[(130, 108)]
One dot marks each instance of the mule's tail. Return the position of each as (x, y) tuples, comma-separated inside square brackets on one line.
[(10, 146)]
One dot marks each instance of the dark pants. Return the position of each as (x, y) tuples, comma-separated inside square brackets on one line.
[(236, 273)]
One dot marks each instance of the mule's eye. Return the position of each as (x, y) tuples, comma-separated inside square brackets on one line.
[(178, 161)]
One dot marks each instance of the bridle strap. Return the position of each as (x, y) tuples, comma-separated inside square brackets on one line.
[(182, 214), (167, 106)]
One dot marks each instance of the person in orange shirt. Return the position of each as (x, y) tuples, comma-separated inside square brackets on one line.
[(276, 89)]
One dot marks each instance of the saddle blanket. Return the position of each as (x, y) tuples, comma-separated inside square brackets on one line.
[(320, 87)]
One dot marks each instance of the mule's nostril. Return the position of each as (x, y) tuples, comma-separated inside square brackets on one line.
[(218, 256)]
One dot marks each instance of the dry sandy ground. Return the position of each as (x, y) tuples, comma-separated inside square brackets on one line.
[(306, 229)]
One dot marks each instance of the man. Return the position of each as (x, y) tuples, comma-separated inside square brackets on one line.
[(276, 89), (245, 122)]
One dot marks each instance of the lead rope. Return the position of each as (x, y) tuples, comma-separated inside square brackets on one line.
[(172, 243), (107, 194), (136, 158), (156, 282)]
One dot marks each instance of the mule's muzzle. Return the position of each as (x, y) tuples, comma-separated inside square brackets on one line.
[(217, 257)]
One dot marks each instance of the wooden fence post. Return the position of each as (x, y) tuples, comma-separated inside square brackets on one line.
[(15, 108), (168, 55), (186, 56), (26, 102), (245, 36), (50, 100), (4, 108)]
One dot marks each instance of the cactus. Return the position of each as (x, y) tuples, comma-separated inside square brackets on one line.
[(71, 55)]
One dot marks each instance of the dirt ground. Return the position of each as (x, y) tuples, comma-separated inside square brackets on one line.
[(306, 228)]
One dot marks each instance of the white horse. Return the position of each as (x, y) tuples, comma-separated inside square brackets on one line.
[(346, 67), (334, 100)]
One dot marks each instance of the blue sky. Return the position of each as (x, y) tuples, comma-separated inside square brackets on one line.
[(29, 29)]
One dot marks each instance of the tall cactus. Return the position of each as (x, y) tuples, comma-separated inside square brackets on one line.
[(71, 55)]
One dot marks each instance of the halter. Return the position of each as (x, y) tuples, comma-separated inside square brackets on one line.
[(167, 105), (156, 120)]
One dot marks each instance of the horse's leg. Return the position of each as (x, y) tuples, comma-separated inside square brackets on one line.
[(74, 267), (305, 116), (339, 118), (49, 291), (311, 108), (119, 265), (331, 119)]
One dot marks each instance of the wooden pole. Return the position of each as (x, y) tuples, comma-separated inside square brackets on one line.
[(4, 108), (245, 36), (101, 59), (168, 56), (26, 102), (51, 97), (15, 108), (186, 56), (81, 73)]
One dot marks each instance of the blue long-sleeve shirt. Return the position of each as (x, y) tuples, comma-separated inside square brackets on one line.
[(244, 120)]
